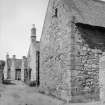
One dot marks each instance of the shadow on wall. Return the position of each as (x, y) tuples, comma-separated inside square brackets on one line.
[(93, 35)]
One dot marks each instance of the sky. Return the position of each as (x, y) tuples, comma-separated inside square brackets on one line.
[(16, 19)]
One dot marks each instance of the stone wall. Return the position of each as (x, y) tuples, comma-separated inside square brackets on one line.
[(31, 58), (69, 67), (102, 77), (13, 68), (55, 52), (32, 61), (24, 68), (84, 68)]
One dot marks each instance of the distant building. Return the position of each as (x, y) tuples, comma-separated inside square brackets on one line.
[(33, 57), (27, 68), (2, 64), (13, 68)]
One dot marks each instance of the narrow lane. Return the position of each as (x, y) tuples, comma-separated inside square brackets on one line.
[(21, 94)]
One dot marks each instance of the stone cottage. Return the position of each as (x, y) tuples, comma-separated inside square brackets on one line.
[(13, 68), (27, 68), (72, 50), (33, 57)]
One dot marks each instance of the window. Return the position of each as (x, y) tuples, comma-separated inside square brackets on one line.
[(55, 12)]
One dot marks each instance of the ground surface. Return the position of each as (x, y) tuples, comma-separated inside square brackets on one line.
[(21, 94)]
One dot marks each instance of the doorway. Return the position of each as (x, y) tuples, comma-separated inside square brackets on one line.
[(18, 74)]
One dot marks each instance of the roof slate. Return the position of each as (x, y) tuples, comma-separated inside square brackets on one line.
[(87, 11)]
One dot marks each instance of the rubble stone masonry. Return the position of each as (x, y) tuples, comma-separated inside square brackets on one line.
[(55, 73), (70, 55)]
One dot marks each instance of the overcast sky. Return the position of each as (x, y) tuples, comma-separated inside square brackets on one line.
[(16, 19)]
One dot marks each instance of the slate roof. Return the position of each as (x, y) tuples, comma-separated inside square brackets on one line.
[(87, 11)]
